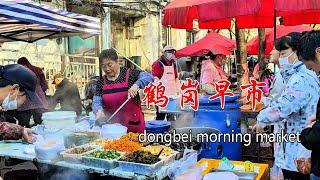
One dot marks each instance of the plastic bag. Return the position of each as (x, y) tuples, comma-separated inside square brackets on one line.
[(303, 161), (276, 173), (181, 166)]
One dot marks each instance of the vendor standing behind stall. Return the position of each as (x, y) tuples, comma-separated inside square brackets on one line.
[(212, 71), (17, 83), (164, 70), (67, 94), (117, 85)]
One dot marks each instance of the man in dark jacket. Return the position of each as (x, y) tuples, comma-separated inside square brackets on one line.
[(67, 94), (310, 137)]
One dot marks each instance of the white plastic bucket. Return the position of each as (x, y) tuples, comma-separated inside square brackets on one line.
[(57, 120)]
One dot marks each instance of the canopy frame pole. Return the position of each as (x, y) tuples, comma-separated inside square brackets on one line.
[(9, 36), (12, 38), (44, 37)]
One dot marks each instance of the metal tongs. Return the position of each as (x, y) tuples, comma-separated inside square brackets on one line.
[(103, 120)]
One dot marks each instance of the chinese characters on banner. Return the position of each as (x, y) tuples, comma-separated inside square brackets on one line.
[(190, 94), (254, 92), (155, 93), (221, 88)]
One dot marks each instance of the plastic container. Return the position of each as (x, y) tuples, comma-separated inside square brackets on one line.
[(48, 149), (180, 166), (139, 168), (157, 126), (68, 156), (113, 131), (79, 138), (204, 100), (98, 162), (146, 169), (226, 120), (57, 120)]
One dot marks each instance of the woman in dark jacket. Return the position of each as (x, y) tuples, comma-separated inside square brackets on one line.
[(310, 139)]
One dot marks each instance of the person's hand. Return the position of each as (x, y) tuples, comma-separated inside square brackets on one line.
[(133, 91), (27, 136), (257, 128), (311, 120), (100, 114)]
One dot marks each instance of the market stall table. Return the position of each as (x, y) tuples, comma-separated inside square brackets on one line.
[(16, 150)]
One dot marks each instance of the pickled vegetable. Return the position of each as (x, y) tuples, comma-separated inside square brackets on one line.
[(155, 150), (108, 155), (131, 137), (79, 150), (143, 157)]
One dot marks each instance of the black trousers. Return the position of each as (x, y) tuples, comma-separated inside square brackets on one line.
[(292, 175)]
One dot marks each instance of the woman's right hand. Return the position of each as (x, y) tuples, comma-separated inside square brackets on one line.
[(311, 120), (100, 114), (27, 136)]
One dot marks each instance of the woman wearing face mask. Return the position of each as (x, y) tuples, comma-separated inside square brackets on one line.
[(117, 85), (278, 85), (212, 71), (296, 103), (16, 84)]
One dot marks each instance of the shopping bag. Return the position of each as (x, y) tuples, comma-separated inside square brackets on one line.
[(303, 160), (276, 173)]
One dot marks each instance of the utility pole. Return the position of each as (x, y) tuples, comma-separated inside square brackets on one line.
[(106, 34)]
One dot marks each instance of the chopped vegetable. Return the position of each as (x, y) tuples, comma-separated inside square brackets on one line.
[(108, 155), (101, 142), (131, 137), (155, 150), (79, 150), (143, 157), (122, 145)]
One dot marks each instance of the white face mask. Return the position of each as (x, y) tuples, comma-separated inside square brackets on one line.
[(284, 61), (170, 56), (8, 104)]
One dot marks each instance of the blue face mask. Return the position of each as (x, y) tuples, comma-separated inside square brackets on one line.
[(8, 104), (284, 61)]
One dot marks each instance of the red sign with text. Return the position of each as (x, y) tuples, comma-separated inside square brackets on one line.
[(221, 89), (190, 94), (154, 95), (254, 92)]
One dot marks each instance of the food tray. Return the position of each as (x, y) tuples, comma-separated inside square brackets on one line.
[(145, 169), (171, 158), (76, 158), (242, 175), (99, 163)]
